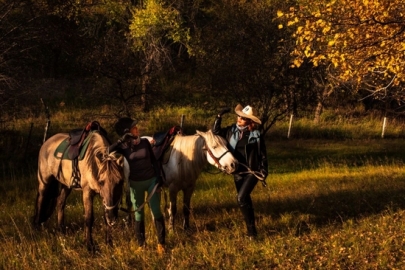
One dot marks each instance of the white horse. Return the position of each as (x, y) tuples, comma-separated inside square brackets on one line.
[(189, 155)]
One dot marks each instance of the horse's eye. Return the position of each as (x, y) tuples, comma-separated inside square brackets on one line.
[(101, 182)]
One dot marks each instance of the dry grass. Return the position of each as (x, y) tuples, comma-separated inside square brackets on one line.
[(328, 205)]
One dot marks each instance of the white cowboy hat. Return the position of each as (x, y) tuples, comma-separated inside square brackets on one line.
[(248, 112)]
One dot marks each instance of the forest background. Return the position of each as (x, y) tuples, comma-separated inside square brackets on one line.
[(318, 60), (285, 57)]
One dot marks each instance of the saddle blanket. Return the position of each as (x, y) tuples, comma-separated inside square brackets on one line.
[(62, 151)]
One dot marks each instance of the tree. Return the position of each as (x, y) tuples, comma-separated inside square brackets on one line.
[(243, 58), (155, 27), (360, 43)]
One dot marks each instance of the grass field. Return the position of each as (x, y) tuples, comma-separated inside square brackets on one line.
[(329, 204)]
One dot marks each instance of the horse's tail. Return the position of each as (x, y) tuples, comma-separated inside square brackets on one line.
[(48, 204)]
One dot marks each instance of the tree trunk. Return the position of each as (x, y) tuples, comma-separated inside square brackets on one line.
[(145, 91), (318, 112)]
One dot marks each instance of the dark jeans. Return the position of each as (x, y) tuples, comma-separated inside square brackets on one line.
[(244, 186)]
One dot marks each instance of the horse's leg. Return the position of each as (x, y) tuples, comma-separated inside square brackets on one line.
[(187, 193), (108, 233), (172, 207), (88, 197), (60, 206), (48, 189), (38, 205)]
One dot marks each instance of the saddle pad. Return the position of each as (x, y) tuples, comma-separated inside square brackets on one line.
[(166, 155), (61, 151)]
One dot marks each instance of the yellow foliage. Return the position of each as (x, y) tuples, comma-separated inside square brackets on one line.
[(326, 29), (350, 35)]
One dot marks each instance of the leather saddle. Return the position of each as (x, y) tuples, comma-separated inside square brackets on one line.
[(162, 141), (78, 136)]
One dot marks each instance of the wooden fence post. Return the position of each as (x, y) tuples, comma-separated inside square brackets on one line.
[(383, 127), (289, 126), (48, 120), (182, 121)]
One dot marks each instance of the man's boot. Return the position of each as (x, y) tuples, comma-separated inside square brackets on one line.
[(249, 216), (161, 234), (140, 234)]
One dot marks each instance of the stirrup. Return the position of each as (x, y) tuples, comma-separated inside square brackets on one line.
[(75, 183)]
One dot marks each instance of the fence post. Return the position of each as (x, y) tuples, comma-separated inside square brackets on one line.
[(289, 126), (383, 127), (182, 121), (48, 120)]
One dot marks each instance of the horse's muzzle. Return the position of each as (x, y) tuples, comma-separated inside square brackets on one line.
[(111, 217), (230, 169)]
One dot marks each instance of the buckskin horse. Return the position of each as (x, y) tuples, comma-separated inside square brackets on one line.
[(99, 172), (186, 157)]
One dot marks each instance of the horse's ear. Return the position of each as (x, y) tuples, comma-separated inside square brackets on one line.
[(99, 157), (199, 132), (120, 160)]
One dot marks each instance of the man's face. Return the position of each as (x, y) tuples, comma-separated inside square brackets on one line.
[(243, 121), (134, 131)]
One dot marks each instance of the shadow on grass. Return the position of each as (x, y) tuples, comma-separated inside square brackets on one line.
[(323, 209)]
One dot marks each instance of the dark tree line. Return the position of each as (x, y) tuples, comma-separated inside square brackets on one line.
[(143, 54)]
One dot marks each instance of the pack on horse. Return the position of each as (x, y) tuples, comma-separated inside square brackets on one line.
[(80, 160), (183, 158)]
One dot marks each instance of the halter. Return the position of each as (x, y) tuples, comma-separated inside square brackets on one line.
[(216, 160), (106, 207)]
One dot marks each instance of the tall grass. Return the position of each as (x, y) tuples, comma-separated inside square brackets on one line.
[(328, 205)]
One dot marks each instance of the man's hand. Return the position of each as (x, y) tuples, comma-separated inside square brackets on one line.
[(126, 137), (224, 111)]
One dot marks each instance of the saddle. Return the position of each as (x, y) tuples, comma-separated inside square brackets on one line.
[(77, 138), (162, 141), (75, 146)]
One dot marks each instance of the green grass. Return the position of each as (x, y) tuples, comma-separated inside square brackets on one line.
[(329, 204)]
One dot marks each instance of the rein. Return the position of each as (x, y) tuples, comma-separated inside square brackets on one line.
[(257, 174), (216, 160)]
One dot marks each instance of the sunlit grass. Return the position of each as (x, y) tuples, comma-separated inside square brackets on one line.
[(334, 200), (322, 217)]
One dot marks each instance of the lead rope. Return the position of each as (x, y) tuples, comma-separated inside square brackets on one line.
[(257, 174), (145, 202)]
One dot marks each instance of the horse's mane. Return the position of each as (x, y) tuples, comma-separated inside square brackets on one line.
[(98, 147), (215, 139)]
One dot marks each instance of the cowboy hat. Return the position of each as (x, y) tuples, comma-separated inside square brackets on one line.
[(248, 112)]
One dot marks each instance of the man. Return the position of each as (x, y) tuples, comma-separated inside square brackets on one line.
[(248, 147)]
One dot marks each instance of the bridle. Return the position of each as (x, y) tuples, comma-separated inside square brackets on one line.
[(216, 160), (107, 207)]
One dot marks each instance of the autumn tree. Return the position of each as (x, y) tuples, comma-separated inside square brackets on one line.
[(155, 28), (359, 43), (244, 58)]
